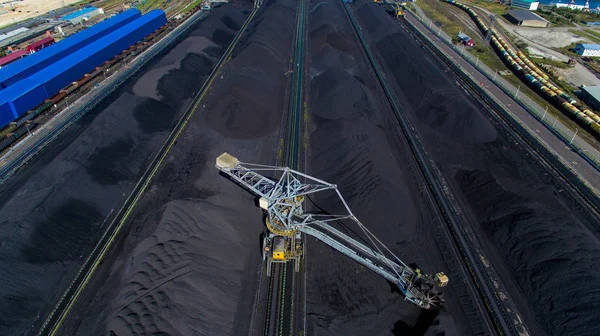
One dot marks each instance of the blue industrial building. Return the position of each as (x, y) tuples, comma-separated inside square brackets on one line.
[(79, 15), (30, 92), (33, 63)]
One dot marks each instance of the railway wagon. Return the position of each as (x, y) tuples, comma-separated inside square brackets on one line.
[(40, 60), (31, 91)]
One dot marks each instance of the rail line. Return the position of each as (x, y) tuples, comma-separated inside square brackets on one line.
[(462, 244), (548, 160), (579, 189), (7, 170), (280, 302), (55, 319)]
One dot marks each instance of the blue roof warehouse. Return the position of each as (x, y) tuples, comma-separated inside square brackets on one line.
[(31, 64), (33, 90)]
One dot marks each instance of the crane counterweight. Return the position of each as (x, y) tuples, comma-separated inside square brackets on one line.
[(283, 202)]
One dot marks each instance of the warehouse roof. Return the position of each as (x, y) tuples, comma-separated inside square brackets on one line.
[(13, 33), (101, 43), (593, 91), (41, 42), (590, 46), (18, 68), (12, 56), (28, 84), (463, 36), (17, 90), (523, 15), (79, 13)]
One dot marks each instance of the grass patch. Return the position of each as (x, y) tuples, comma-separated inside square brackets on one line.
[(554, 18), (190, 6), (493, 7), (148, 5), (586, 35), (540, 61), (111, 3), (568, 50), (488, 57), (575, 15), (441, 20), (593, 32)]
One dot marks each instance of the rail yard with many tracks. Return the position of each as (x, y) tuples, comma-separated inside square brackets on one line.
[(371, 188)]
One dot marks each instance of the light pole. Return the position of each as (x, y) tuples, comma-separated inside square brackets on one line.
[(477, 62), (27, 126), (574, 134), (517, 93), (554, 123), (545, 113), (495, 73)]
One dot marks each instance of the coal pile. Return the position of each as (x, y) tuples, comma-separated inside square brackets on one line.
[(355, 143), (543, 243), (54, 210), (189, 261)]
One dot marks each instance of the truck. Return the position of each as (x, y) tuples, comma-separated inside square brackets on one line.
[(465, 39)]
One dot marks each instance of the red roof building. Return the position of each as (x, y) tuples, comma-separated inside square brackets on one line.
[(13, 56), (41, 44)]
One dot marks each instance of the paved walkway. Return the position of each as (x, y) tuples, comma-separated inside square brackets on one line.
[(571, 158)]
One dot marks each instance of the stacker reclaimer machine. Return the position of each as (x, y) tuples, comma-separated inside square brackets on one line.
[(282, 199)]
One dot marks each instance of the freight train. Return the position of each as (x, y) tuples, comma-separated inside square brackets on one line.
[(24, 125), (535, 77)]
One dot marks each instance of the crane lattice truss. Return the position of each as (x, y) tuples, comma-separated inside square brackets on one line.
[(283, 199)]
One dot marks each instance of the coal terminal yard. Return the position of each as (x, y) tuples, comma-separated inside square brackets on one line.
[(375, 112)]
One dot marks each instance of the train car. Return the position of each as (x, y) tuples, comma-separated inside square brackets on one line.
[(86, 78), (58, 97), (55, 53)]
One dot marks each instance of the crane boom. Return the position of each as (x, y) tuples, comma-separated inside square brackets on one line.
[(283, 198)]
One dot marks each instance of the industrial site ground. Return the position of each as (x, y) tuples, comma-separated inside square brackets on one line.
[(539, 238), (188, 261), (53, 211)]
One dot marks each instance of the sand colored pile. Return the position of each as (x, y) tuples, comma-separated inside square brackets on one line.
[(28, 9)]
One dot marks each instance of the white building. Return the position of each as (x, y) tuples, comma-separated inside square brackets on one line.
[(590, 50), (525, 4), (571, 5)]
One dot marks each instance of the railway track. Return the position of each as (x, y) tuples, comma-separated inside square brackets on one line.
[(578, 190), (54, 320), (48, 133), (462, 245), (281, 307)]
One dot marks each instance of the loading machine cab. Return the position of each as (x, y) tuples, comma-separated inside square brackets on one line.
[(281, 249)]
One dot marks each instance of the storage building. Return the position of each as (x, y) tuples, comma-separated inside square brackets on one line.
[(572, 6), (6, 115), (39, 60), (13, 56), (591, 96), (527, 19), (82, 14), (41, 44), (13, 33), (525, 4), (590, 50), (30, 92)]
